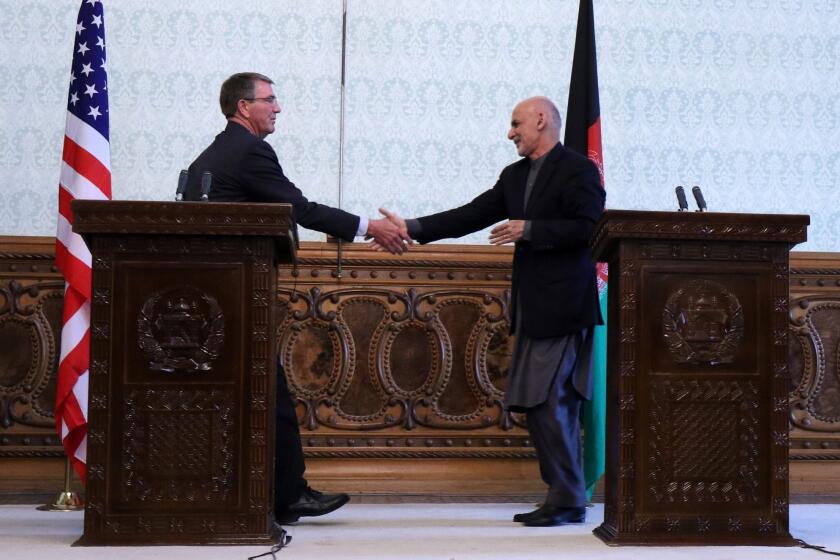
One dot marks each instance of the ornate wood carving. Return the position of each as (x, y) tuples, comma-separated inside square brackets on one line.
[(814, 357), (702, 458), (703, 323), (184, 218), (31, 293), (697, 399), (179, 427), (400, 356), (171, 432), (627, 224), (179, 328), (30, 309)]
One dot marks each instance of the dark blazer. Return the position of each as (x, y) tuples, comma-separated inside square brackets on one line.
[(553, 272), (245, 169)]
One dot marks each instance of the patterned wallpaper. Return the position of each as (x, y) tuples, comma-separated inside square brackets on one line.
[(740, 97)]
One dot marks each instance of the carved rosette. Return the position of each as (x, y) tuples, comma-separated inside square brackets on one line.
[(98, 384), (627, 291), (262, 358), (779, 381)]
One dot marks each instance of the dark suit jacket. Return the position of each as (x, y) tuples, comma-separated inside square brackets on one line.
[(245, 169), (553, 272)]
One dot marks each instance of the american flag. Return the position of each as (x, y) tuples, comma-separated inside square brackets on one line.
[(85, 173)]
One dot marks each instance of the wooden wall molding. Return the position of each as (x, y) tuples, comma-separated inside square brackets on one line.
[(399, 360)]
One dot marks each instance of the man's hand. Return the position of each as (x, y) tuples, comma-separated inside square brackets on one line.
[(389, 233), (398, 221), (509, 232)]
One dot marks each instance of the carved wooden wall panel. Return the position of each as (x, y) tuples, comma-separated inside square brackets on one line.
[(31, 299), (399, 356), (814, 357)]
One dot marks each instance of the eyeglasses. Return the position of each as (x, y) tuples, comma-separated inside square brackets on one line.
[(271, 100)]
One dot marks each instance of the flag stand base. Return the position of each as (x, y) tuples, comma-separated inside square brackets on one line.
[(66, 500)]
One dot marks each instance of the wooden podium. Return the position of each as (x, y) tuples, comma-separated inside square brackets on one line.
[(698, 381), (180, 445)]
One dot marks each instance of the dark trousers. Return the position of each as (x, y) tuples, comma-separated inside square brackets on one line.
[(288, 463), (554, 427)]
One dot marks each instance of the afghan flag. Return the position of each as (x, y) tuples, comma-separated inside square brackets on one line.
[(583, 134)]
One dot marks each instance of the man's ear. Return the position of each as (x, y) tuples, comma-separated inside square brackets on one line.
[(242, 108), (540, 122)]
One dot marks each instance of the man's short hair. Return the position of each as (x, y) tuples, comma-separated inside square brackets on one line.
[(555, 115), (239, 86), (550, 109)]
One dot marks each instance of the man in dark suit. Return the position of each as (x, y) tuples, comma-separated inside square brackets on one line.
[(245, 168), (552, 199)]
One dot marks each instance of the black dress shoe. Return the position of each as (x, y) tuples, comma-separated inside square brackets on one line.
[(312, 504), (550, 516), (521, 517)]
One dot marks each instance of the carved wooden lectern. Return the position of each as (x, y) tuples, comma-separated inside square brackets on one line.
[(182, 370), (698, 381)]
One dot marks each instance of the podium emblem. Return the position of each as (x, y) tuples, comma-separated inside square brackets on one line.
[(180, 329), (703, 323)]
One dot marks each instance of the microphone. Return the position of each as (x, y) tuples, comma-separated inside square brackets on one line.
[(182, 185), (206, 180), (681, 198), (698, 196)]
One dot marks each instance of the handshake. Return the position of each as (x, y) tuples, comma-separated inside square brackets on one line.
[(391, 233)]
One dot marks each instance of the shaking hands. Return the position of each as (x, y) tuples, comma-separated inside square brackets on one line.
[(389, 233)]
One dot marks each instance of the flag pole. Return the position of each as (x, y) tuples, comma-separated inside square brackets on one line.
[(68, 500), (583, 134), (341, 123)]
